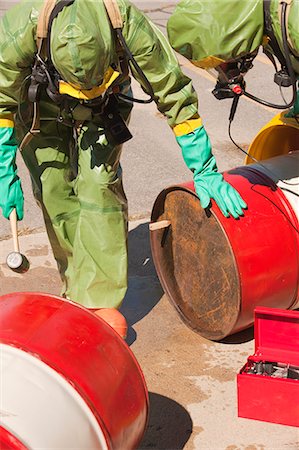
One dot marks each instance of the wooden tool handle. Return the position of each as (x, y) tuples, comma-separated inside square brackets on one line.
[(158, 225), (14, 230)]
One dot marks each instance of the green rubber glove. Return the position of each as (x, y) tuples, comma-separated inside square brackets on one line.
[(209, 183), (11, 194)]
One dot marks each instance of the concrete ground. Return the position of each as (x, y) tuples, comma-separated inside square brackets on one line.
[(191, 381)]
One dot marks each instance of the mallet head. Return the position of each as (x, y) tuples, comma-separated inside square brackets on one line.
[(17, 262)]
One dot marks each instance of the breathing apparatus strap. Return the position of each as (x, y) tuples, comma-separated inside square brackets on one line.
[(116, 21), (122, 49), (34, 129), (113, 12), (41, 37), (43, 21), (288, 9), (270, 33)]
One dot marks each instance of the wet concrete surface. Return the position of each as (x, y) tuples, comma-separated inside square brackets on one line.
[(191, 381)]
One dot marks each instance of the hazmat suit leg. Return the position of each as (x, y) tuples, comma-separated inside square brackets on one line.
[(86, 219), (47, 159), (100, 242)]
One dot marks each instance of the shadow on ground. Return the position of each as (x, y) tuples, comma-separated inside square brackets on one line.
[(144, 289), (239, 338), (169, 427)]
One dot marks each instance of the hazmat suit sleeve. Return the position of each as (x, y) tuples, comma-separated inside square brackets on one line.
[(174, 93), (177, 100), (209, 33), (17, 48)]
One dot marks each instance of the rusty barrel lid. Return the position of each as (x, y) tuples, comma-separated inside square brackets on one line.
[(195, 263)]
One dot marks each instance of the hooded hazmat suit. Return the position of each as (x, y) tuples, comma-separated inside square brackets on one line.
[(211, 33), (86, 217)]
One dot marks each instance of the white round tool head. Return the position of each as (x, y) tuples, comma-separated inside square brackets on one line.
[(17, 262)]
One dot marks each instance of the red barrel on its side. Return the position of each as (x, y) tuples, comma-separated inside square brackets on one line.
[(216, 270), (69, 379)]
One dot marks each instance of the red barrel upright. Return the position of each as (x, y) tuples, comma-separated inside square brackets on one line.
[(216, 270), (68, 379)]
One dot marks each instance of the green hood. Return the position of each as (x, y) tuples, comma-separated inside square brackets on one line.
[(82, 46)]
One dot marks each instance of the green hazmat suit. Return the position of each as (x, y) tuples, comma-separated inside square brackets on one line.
[(223, 31), (86, 218), (209, 33)]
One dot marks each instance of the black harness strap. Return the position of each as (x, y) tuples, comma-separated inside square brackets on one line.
[(273, 43)]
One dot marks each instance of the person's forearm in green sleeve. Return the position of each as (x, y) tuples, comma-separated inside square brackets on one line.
[(209, 183), (11, 194), (177, 100), (174, 93), (17, 50)]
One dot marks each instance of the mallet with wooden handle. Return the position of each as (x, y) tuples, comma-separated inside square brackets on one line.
[(15, 260)]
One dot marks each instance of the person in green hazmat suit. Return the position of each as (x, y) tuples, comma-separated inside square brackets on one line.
[(80, 85), (225, 35)]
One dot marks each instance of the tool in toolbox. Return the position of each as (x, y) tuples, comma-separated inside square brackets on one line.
[(274, 369), (268, 384)]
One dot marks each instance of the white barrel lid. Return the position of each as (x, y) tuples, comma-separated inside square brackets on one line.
[(42, 408)]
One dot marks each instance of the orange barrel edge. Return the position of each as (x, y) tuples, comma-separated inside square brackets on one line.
[(216, 270)]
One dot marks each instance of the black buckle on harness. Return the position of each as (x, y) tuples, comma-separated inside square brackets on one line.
[(114, 125), (281, 77)]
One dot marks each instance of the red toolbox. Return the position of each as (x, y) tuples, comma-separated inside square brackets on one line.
[(268, 384)]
